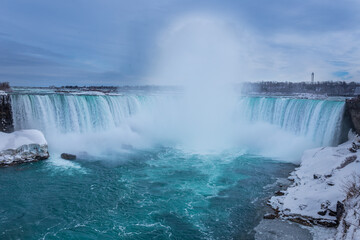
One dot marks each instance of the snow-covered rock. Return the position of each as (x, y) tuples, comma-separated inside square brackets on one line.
[(319, 184), (349, 226), (22, 146)]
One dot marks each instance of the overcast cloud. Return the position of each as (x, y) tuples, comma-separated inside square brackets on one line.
[(115, 42)]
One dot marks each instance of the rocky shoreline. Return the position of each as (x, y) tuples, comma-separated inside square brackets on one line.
[(318, 194)]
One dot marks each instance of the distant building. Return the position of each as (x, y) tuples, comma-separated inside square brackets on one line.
[(312, 77)]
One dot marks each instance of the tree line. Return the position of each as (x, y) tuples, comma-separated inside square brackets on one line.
[(329, 88)]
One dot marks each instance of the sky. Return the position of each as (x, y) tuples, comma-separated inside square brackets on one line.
[(119, 42)]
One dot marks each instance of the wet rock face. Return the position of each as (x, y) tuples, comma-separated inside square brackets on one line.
[(353, 110), (6, 119), (23, 154)]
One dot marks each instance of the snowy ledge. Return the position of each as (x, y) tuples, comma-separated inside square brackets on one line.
[(319, 189), (22, 146)]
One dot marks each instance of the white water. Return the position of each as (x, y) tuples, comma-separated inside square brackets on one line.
[(276, 127)]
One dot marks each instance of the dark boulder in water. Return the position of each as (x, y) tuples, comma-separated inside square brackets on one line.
[(68, 156)]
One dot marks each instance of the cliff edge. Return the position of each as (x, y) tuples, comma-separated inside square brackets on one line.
[(353, 110), (6, 118)]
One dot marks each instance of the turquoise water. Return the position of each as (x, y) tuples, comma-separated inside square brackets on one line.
[(159, 194)]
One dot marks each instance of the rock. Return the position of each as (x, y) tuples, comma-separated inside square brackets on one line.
[(328, 175), (322, 213), (340, 209), (347, 161), (302, 206), (353, 110), (270, 216), (355, 146), (317, 176), (326, 223), (330, 183), (68, 156), (6, 118), (279, 193), (325, 205), (352, 150), (301, 220), (332, 213)]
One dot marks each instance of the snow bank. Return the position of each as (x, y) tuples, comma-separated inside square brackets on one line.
[(319, 184), (22, 146), (19, 138)]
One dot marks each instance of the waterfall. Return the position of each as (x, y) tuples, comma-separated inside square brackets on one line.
[(72, 113), (318, 120)]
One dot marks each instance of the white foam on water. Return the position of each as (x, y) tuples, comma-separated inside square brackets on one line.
[(58, 165)]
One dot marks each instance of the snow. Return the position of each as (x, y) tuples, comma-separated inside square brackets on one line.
[(22, 146), (19, 138), (349, 227), (319, 183), (88, 93), (2, 93), (311, 96)]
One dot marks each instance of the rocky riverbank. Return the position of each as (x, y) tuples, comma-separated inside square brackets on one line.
[(22, 146), (319, 194)]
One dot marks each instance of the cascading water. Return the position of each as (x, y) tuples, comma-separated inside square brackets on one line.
[(71, 113), (317, 121), (320, 120)]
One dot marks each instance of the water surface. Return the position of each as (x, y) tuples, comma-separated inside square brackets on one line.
[(159, 194)]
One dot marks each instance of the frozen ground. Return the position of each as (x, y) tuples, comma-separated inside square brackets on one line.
[(319, 184)]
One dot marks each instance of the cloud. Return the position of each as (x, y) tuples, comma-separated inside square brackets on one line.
[(114, 42)]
